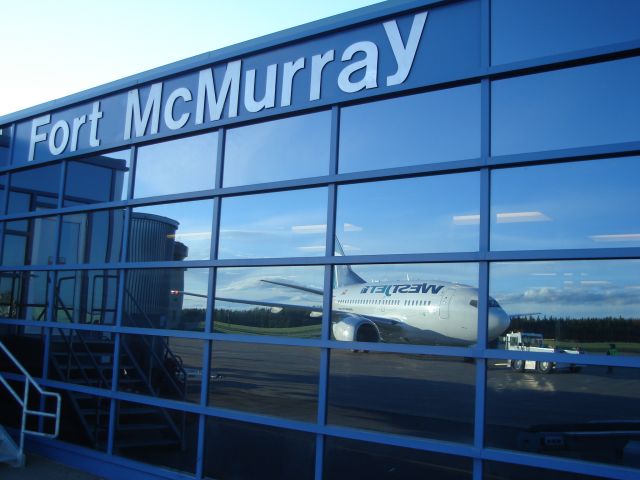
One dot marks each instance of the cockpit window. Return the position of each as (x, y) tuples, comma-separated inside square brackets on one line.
[(492, 303)]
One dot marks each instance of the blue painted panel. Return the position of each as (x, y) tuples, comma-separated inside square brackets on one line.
[(437, 59)]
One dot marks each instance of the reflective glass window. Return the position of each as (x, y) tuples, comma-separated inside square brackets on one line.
[(30, 242), (23, 295), (427, 214), (5, 143), (536, 28), (86, 296), (167, 367), (426, 128), (176, 166), (275, 380), (571, 306), (86, 419), (591, 415), (34, 189), (556, 206), (3, 186), (243, 451), (157, 435), (581, 106), (94, 237), (283, 149), (282, 301), (102, 178), (406, 303), (526, 472), (346, 459), (171, 232), (281, 224), (82, 357), (26, 344), (424, 396), (173, 298)]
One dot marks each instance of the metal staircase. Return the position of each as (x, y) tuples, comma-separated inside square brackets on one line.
[(13, 453), (147, 366)]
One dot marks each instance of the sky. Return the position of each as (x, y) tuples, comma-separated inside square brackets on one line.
[(53, 49)]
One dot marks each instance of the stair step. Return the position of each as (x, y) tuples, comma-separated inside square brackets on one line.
[(136, 427), (147, 442)]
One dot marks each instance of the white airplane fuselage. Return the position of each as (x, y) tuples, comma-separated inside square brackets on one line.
[(434, 312)]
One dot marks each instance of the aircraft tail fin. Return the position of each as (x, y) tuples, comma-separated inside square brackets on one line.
[(344, 275)]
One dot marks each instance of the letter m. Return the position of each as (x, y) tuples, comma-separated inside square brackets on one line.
[(151, 111), (207, 92)]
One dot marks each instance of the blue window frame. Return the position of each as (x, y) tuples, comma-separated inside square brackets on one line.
[(221, 350)]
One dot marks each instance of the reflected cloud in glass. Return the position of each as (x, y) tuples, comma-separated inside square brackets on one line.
[(586, 304), (282, 301), (282, 224), (176, 166), (427, 214), (172, 231), (571, 205)]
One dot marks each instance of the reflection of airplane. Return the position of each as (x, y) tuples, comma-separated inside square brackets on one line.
[(428, 312)]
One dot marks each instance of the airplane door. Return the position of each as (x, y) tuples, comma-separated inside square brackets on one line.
[(444, 303)]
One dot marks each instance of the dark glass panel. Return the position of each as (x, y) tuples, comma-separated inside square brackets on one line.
[(564, 212), (5, 144), (156, 435), (536, 28), (282, 301), (34, 189), (424, 396), (573, 306), (176, 166), (427, 214), (242, 451), (168, 367), (409, 303), (283, 149), (594, 104), (97, 179), (273, 380), (94, 237), (429, 127), (30, 242), (524, 472), (3, 185), (84, 419), (81, 357), (26, 344), (86, 296), (171, 232), (23, 295), (282, 224), (591, 415), (174, 298), (353, 460)]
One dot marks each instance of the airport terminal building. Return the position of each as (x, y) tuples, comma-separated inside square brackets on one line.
[(398, 243)]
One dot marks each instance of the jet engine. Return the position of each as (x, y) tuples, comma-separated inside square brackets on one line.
[(352, 328)]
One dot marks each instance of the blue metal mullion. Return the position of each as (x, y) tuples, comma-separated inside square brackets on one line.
[(327, 301), (484, 244)]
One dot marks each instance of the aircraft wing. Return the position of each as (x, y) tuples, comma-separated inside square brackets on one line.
[(295, 286), (262, 303)]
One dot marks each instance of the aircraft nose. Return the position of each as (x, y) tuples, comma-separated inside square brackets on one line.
[(498, 322)]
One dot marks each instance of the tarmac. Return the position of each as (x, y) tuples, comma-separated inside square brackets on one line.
[(38, 467)]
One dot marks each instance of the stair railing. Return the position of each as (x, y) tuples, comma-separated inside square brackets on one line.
[(23, 401)]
